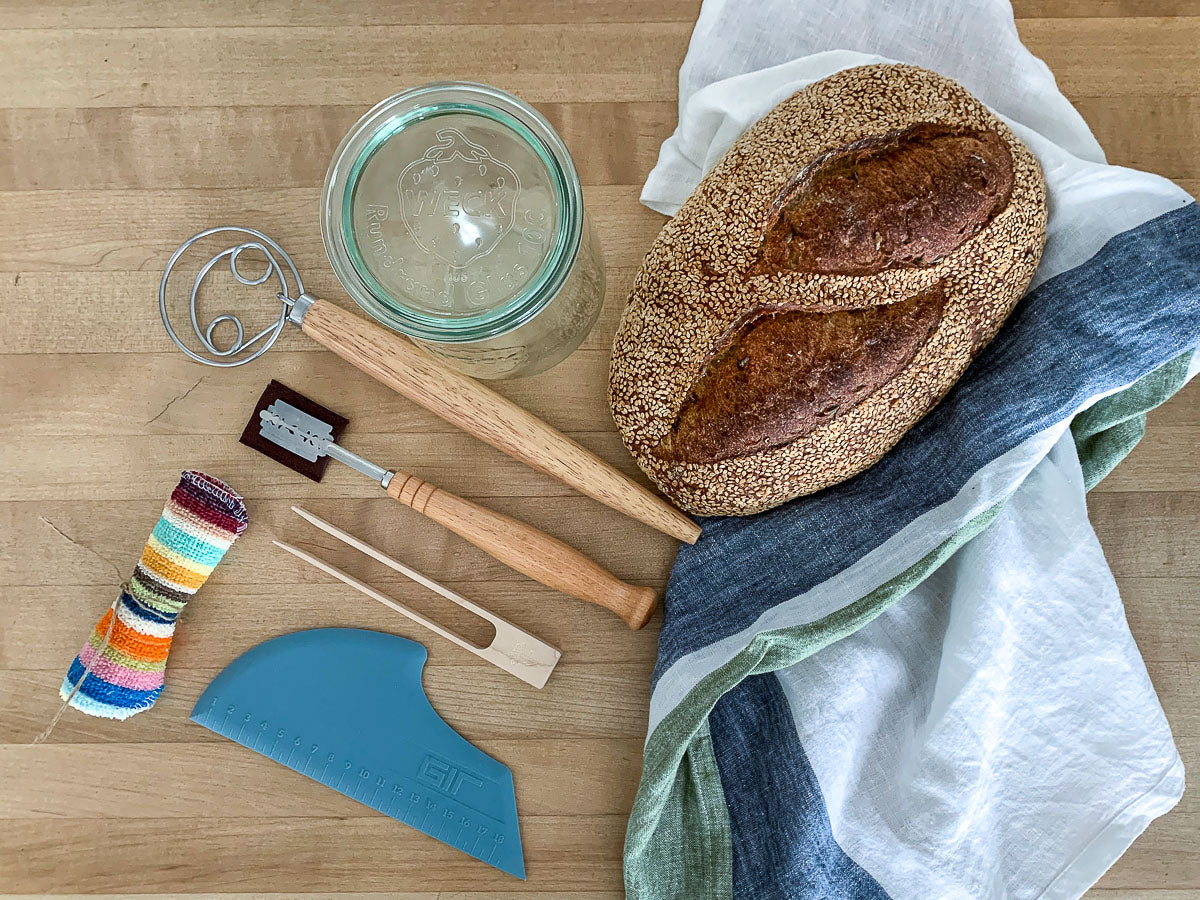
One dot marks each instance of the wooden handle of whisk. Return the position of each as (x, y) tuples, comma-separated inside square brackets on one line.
[(529, 551), (464, 402)]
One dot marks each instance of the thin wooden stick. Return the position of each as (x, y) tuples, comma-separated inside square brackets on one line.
[(362, 546), (513, 649)]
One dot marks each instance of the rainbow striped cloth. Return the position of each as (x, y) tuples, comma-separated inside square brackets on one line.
[(122, 663)]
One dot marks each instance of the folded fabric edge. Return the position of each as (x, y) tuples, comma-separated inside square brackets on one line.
[(1115, 837), (684, 730), (1107, 431)]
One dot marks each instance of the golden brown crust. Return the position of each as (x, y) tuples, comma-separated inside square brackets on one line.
[(699, 281), (904, 198), (784, 373)]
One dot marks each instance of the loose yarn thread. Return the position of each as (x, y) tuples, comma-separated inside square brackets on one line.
[(62, 707)]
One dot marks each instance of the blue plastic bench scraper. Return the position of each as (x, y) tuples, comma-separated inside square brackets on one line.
[(345, 707)]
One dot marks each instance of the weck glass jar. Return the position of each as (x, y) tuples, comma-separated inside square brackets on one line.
[(452, 213)]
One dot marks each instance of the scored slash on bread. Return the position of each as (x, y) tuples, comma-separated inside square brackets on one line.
[(847, 355), (823, 288)]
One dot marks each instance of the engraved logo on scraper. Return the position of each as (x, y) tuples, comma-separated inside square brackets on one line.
[(446, 776)]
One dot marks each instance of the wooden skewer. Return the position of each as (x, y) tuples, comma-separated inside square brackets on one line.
[(513, 649), (478, 410)]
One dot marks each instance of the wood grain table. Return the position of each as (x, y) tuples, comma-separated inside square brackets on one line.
[(125, 126)]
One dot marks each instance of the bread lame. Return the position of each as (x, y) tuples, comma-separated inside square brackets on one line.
[(307, 439)]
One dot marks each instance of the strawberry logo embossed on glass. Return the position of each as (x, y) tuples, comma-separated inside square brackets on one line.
[(458, 201)]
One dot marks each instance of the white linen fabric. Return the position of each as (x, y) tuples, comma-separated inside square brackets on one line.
[(995, 733), (956, 739), (974, 42)]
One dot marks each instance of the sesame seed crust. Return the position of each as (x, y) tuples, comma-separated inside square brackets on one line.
[(698, 280)]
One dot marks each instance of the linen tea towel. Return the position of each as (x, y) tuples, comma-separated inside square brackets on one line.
[(920, 683)]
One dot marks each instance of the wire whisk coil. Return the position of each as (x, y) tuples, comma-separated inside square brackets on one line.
[(241, 350)]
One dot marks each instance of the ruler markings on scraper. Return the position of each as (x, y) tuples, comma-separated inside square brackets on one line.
[(437, 809)]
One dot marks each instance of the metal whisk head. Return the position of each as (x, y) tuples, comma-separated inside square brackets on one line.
[(241, 350)]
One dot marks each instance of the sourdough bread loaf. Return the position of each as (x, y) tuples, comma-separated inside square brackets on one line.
[(823, 287)]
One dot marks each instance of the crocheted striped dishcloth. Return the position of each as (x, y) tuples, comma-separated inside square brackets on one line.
[(200, 522)]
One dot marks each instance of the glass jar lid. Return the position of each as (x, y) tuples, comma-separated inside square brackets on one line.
[(452, 212)]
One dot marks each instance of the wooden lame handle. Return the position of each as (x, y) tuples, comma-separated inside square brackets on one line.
[(478, 410), (529, 551)]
